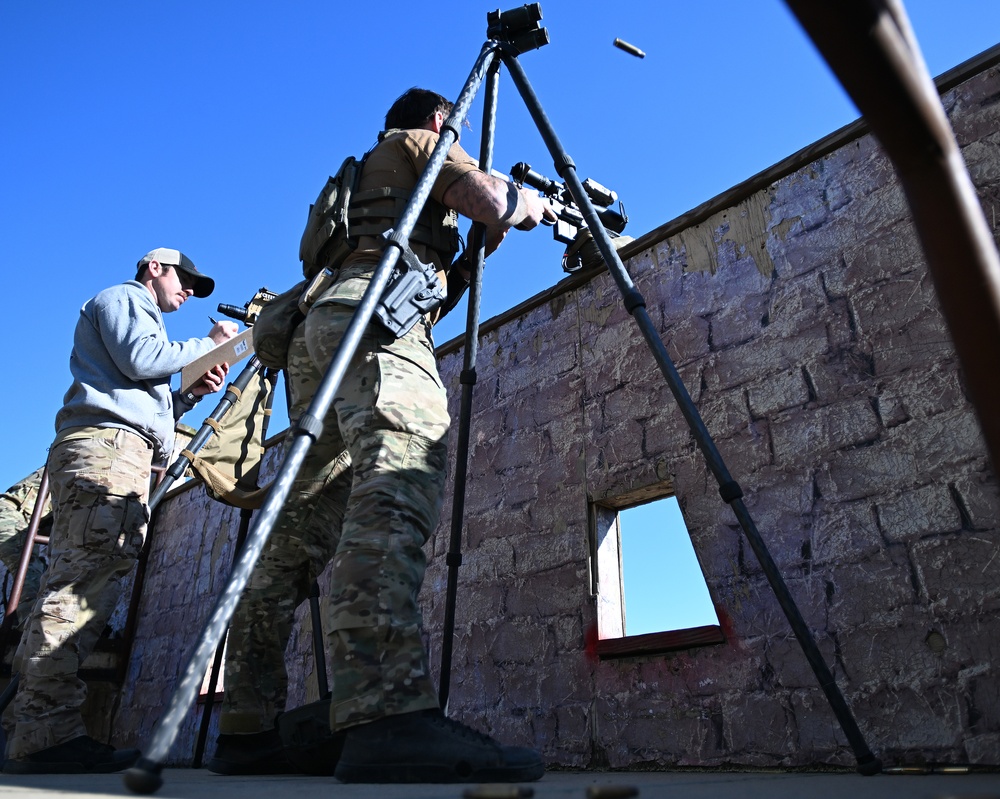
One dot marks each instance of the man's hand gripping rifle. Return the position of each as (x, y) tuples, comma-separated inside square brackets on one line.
[(570, 227)]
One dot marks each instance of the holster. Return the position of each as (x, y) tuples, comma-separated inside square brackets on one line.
[(412, 291)]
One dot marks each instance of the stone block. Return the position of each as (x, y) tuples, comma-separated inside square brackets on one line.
[(960, 574), (787, 667), (724, 413), (882, 256), (978, 496), (520, 640), (764, 356), (891, 655), (864, 472), (806, 250), (759, 723), (820, 734), (843, 373), (920, 394), (868, 592), (947, 444), (686, 338), (566, 680), (811, 433), (913, 514), (983, 749), (845, 532), (925, 720), (739, 321), (777, 393), (571, 743), (562, 590), (796, 304), (922, 342)]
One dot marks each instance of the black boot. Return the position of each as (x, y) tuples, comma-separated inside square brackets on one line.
[(309, 744), (428, 747), (81, 755), (254, 753)]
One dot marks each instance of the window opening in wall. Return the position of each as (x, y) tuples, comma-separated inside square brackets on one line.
[(206, 682), (651, 593), (664, 586)]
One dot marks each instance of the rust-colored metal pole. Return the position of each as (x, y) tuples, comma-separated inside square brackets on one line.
[(871, 48)]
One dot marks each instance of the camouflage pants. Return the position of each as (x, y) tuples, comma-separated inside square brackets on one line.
[(297, 551), (17, 504), (100, 482), (389, 421)]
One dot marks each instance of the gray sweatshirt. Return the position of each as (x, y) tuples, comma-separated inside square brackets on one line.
[(122, 362)]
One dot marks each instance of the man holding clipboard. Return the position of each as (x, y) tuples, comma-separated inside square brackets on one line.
[(117, 419)]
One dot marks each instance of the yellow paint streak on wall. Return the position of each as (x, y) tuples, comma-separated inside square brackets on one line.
[(598, 316), (745, 226)]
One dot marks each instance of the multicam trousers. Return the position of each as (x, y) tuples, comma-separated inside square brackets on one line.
[(99, 483), (368, 496)]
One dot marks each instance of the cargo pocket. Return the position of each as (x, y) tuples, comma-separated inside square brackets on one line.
[(411, 396), (106, 524)]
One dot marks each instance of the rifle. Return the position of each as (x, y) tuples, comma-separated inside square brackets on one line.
[(251, 309), (570, 227)]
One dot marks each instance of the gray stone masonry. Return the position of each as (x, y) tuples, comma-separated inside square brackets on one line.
[(804, 324)]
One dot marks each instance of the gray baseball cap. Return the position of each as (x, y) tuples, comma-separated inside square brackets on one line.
[(203, 285)]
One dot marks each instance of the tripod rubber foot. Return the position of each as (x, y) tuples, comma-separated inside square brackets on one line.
[(144, 777), (869, 766)]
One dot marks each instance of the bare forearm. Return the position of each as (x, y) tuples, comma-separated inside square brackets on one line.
[(487, 199)]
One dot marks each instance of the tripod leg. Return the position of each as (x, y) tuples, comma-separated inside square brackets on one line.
[(213, 680), (8, 693), (245, 515), (468, 380), (319, 645), (728, 488)]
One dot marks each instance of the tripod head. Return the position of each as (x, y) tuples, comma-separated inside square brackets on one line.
[(251, 309), (518, 27)]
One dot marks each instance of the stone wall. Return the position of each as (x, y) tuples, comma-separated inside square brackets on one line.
[(804, 324)]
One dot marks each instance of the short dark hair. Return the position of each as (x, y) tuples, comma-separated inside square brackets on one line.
[(414, 107)]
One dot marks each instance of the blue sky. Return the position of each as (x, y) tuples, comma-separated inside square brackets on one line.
[(210, 126), (663, 584)]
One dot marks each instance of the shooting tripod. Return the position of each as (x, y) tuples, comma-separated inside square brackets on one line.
[(509, 34)]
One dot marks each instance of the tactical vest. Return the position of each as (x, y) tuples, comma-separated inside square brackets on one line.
[(342, 214)]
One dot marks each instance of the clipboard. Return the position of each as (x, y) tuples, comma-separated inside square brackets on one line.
[(236, 349)]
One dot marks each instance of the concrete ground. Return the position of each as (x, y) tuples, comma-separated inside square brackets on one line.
[(199, 784)]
